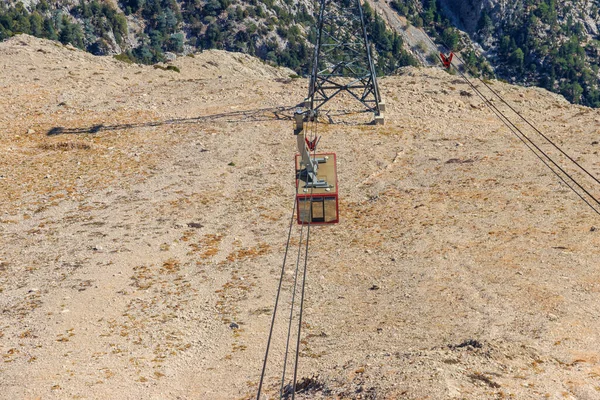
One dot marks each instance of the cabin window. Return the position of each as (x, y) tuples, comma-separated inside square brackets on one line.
[(324, 209)]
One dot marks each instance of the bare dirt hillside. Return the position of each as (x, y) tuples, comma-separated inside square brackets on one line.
[(144, 215)]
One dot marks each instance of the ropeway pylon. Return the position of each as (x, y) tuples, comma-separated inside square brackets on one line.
[(342, 60)]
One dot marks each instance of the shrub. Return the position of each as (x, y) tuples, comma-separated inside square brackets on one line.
[(123, 57)]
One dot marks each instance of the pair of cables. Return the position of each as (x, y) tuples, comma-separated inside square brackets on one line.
[(553, 165)]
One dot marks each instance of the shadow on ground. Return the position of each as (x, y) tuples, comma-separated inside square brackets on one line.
[(260, 114)]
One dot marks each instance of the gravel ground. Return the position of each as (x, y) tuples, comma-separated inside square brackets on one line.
[(144, 215)]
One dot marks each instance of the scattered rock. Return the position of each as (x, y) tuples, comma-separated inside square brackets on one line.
[(459, 161), (479, 377), (469, 344), (591, 26), (195, 225), (305, 385)]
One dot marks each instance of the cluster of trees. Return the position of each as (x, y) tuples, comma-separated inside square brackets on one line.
[(162, 29), (390, 54), (17, 19), (278, 31), (542, 44), (256, 27), (89, 25), (428, 15)]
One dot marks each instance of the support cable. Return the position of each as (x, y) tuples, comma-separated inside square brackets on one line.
[(541, 134), (293, 304), (507, 122), (264, 367), (532, 126), (301, 310), (287, 344), (520, 115)]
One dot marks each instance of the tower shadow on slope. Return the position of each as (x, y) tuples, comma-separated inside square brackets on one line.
[(284, 113), (259, 114)]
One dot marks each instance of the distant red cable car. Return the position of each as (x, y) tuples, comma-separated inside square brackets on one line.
[(316, 181), (447, 61)]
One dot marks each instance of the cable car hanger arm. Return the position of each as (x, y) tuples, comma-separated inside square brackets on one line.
[(311, 164)]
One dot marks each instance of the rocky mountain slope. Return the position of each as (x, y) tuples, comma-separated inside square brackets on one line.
[(278, 31), (548, 43), (143, 214), (551, 43)]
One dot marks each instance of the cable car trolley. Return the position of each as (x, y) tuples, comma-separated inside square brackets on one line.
[(316, 179)]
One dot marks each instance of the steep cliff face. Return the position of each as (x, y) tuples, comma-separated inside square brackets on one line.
[(466, 14)]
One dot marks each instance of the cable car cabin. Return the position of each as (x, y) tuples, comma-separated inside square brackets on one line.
[(317, 199)]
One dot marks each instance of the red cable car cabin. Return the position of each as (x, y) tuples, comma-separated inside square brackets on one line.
[(317, 203)]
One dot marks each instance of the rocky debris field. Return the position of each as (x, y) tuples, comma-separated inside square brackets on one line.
[(143, 219)]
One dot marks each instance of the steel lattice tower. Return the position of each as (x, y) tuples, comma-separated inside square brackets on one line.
[(342, 59)]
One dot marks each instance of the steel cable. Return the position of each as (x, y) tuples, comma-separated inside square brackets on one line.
[(301, 312), (514, 129), (264, 367), (287, 344), (508, 123), (293, 301), (531, 125)]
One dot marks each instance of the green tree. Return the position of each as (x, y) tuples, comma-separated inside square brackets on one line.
[(36, 23), (517, 58), (451, 38), (175, 43), (49, 30)]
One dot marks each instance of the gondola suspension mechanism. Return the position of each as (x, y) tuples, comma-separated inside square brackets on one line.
[(316, 178)]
